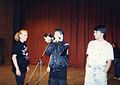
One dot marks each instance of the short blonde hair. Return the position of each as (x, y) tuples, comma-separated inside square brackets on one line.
[(17, 34)]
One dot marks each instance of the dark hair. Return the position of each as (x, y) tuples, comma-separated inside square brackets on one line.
[(48, 34), (59, 30), (101, 28)]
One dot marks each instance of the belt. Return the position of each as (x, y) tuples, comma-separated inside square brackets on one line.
[(96, 67)]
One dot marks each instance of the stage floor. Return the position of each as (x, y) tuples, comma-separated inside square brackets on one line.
[(75, 76)]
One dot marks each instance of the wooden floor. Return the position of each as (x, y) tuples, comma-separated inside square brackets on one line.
[(75, 76)]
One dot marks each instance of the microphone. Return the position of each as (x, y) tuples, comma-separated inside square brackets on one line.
[(57, 39)]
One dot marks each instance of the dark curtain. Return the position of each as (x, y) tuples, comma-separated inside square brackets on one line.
[(6, 30), (76, 17), (19, 18)]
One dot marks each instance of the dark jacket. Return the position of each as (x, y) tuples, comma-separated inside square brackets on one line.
[(58, 54)]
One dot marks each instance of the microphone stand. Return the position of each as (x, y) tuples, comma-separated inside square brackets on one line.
[(38, 64)]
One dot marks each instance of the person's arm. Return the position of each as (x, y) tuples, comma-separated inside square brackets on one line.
[(49, 49), (18, 73), (28, 69), (110, 54), (108, 65), (65, 49), (48, 67)]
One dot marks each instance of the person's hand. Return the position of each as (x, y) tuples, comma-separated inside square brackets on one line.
[(18, 73), (66, 44), (48, 69), (56, 40), (28, 69)]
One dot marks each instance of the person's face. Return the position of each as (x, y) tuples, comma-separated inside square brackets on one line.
[(47, 39), (98, 35), (23, 36), (58, 36)]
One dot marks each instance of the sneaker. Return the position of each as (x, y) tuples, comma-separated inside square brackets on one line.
[(115, 77)]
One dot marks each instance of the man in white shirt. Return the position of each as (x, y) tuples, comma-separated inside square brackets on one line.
[(100, 56)]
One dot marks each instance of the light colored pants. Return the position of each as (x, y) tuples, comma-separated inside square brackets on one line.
[(95, 75)]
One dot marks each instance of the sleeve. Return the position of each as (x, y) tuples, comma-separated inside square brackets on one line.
[(89, 47), (64, 50), (49, 49), (15, 49), (109, 51)]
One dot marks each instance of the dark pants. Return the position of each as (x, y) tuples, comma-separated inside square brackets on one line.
[(57, 82), (20, 79), (58, 76), (117, 68)]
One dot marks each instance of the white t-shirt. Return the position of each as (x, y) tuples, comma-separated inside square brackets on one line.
[(99, 52)]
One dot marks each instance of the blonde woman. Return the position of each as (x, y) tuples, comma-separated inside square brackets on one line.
[(20, 56)]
